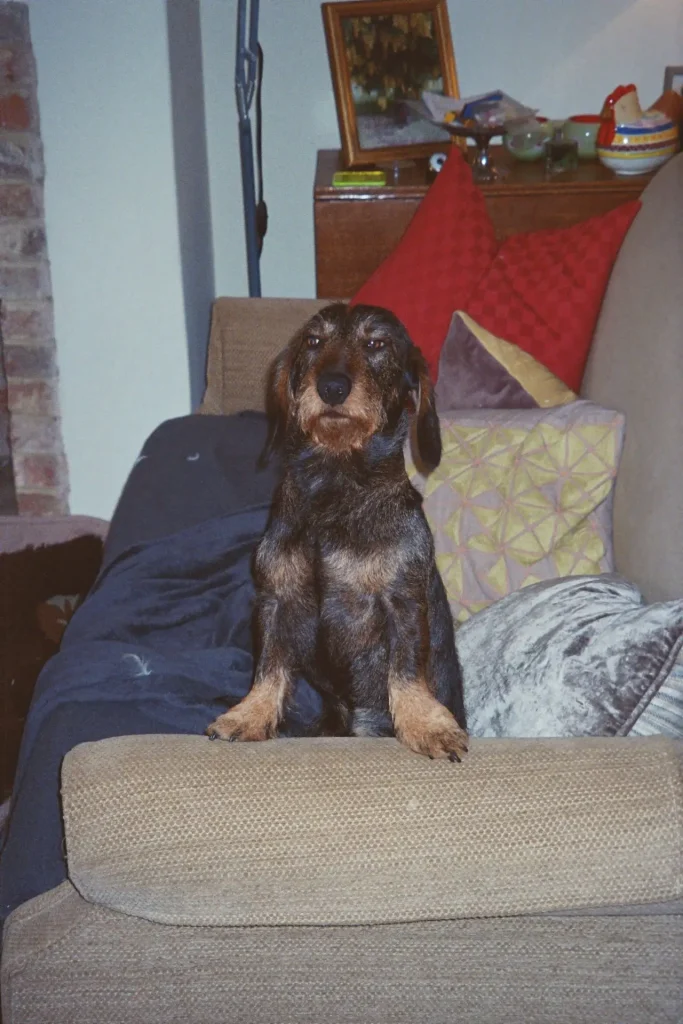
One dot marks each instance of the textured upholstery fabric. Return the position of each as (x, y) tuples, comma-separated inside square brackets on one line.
[(544, 289), (245, 337), (183, 831), (69, 961), (636, 366), (520, 496)]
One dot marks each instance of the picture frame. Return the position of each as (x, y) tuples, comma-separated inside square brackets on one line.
[(673, 79), (383, 53)]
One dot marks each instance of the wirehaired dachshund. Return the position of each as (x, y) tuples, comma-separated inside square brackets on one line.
[(348, 592)]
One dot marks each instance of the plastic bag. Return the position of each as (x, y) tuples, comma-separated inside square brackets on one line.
[(487, 109)]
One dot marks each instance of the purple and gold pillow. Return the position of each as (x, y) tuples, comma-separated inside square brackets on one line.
[(520, 496), (477, 370)]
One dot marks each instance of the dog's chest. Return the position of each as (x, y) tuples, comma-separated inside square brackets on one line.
[(325, 565), (350, 554), (357, 571), (335, 543)]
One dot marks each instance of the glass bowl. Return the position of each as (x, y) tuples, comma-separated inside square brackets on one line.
[(482, 164)]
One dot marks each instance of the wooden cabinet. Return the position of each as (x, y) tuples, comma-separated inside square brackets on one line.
[(355, 229)]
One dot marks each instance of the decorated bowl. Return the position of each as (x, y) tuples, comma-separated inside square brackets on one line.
[(639, 147)]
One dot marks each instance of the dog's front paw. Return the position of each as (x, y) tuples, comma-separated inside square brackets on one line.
[(249, 721), (447, 741), (429, 728)]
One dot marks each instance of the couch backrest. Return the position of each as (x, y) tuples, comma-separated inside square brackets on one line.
[(246, 334), (636, 366)]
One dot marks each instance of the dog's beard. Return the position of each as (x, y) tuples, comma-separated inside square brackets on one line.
[(342, 428)]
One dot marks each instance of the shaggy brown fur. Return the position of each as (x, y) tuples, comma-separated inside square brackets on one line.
[(349, 595)]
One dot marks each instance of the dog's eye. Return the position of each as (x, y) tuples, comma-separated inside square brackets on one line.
[(313, 341), (375, 344)]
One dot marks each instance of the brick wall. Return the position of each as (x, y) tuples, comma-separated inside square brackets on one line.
[(28, 366)]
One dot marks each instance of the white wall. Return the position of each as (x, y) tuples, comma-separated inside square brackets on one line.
[(111, 214), (103, 89)]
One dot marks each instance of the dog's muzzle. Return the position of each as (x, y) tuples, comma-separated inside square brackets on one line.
[(334, 388)]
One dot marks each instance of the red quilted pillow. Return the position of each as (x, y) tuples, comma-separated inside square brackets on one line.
[(447, 247), (544, 290)]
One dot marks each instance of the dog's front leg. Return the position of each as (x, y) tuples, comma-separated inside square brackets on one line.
[(258, 715), (420, 720)]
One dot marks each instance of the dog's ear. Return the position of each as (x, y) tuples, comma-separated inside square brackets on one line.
[(428, 431), (278, 398)]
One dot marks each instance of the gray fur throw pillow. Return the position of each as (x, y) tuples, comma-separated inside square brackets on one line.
[(580, 656)]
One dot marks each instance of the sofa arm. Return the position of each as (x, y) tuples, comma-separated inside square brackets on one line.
[(182, 831)]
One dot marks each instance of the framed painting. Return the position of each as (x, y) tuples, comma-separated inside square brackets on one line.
[(383, 54)]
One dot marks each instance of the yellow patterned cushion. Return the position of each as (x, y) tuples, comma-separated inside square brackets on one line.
[(521, 496)]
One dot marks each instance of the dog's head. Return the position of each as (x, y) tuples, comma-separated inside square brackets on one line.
[(348, 376)]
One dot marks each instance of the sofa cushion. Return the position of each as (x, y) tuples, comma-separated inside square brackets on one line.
[(183, 831), (478, 370), (448, 245), (246, 334), (520, 496), (581, 656), (544, 289), (66, 961)]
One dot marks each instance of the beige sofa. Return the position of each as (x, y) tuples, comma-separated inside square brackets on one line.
[(350, 880)]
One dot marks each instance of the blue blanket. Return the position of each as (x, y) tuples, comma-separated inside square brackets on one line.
[(163, 642)]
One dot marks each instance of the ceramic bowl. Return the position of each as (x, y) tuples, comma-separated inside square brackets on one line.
[(584, 129), (526, 141), (642, 146)]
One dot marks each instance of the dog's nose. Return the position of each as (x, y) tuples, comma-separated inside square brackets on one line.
[(334, 388)]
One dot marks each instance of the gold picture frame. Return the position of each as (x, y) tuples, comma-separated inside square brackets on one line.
[(381, 53)]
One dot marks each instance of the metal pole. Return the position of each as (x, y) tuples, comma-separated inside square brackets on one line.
[(245, 80)]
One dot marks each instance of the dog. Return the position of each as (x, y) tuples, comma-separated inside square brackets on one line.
[(348, 592)]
